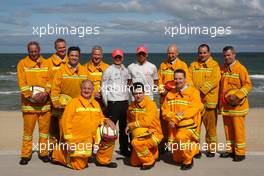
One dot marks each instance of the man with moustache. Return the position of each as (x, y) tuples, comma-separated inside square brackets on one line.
[(33, 79), (205, 74)]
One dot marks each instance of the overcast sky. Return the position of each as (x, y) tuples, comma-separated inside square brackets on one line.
[(129, 23)]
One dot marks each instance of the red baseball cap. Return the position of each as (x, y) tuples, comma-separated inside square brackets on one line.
[(117, 52), (142, 49)]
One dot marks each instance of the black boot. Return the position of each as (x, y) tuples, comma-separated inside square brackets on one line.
[(109, 165), (187, 166), (45, 159), (209, 154), (198, 155), (24, 161), (226, 155), (125, 153), (238, 158), (147, 167)]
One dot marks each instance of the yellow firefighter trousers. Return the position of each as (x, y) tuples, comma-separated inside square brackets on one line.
[(145, 151), (185, 146), (210, 122), (103, 156), (235, 134), (30, 120)]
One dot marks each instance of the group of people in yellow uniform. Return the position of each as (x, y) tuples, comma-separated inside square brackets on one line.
[(68, 101)]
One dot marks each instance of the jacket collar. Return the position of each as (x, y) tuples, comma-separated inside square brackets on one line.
[(32, 64), (172, 65), (206, 63), (57, 60), (173, 93), (71, 70), (144, 102), (232, 66), (92, 68), (87, 103)]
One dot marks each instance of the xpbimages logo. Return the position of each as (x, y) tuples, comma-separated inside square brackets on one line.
[(212, 31), (79, 31), (65, 146), (181, 145)]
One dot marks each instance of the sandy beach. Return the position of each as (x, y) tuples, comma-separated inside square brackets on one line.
[(11, 135), (11, 128)]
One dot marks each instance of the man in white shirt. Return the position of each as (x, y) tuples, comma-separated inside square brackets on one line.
[(115, 96), (145, 72)]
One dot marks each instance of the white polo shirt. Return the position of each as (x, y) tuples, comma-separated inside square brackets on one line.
[(114, 84), (145, 73)]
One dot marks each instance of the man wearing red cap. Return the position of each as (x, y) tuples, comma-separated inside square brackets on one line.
[(143, 71), (115, 96)]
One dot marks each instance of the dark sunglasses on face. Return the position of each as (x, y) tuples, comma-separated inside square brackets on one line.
[(118, 57), (141, 54)]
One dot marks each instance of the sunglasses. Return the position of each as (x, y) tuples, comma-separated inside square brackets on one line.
[(141, 54), (118, 57)]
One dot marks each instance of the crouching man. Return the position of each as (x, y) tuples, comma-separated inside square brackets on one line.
[(144, 125), (80, 121), (181, 109)]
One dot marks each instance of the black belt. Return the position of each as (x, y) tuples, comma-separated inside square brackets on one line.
[(193, 125), (113, 102)]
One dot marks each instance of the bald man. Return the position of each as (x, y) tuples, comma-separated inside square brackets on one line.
[(165, 74)]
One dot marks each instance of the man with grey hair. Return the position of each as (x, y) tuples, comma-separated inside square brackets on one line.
[(80, 121), (95, 67)]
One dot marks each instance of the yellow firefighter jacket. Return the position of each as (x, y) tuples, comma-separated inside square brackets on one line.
[(67, 81), (186, 101), (95, 73), (166, 72), (206, 77), (80, 121), (235, 77), (55, 63), (145, 115), (31, 73)]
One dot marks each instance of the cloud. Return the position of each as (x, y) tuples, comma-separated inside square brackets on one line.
[(207, 9), (184, 9), (127, 24), (13, 20), (135, 6), (140, 26)]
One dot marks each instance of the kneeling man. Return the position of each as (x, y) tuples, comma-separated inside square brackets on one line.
[(80, 121), (182, 110), (144, 124)]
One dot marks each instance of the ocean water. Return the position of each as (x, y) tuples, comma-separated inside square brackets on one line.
[(10, 95)]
